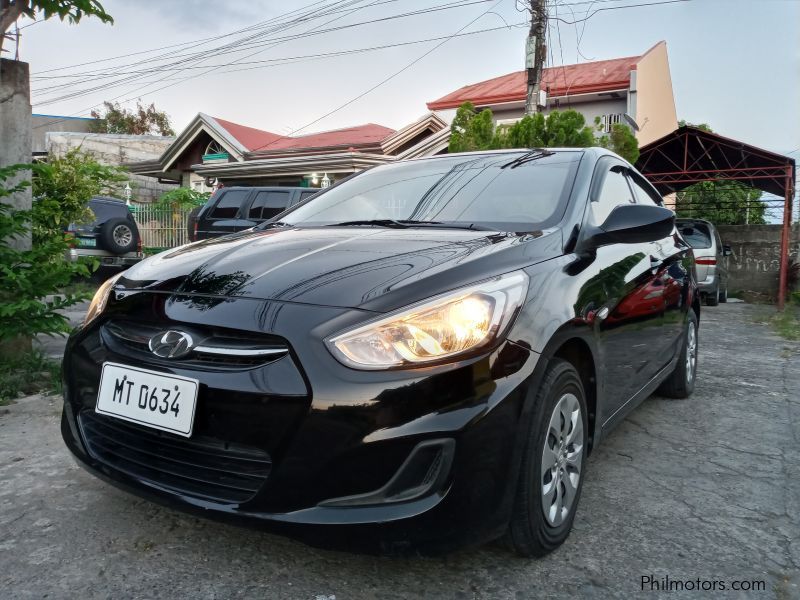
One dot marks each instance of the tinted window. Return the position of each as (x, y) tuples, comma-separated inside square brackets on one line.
[(228, 205), (304, 195), (696, 234), (105, 211), (484, 189), (614, 191), (268, 204), (643, 194)]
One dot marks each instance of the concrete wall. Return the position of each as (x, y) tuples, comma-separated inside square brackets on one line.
[(43, 124), (115, 149), (654, 101), (15, 129), (756, 255)]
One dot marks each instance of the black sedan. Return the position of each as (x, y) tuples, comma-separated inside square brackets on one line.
[(417, 358)]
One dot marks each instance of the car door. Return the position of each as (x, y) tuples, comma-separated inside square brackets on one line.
[(670, 273), (266, 204), (224, 215), (628, 296)]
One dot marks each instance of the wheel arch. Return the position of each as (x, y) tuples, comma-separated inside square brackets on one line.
[(576, 346)]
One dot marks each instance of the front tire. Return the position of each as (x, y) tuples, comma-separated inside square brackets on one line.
[(680, 384), (551, 473)]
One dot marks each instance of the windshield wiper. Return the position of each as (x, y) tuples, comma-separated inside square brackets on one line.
[(532, 155), (407, 223), (376, 222)]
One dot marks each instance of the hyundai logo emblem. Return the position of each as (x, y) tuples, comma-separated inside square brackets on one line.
[(171, 344)]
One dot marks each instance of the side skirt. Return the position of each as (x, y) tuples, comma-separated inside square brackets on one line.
[(638, 397)]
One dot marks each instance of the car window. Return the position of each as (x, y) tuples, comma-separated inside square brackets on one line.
[(697, 234), (614, 191), (489, 190), (643, 194), (104, 211), (228, 205), (304, 195), (268, 204)]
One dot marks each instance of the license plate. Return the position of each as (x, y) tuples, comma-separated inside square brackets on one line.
[(87, 242), (150, 398)]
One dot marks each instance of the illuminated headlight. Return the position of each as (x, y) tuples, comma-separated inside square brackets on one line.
[(442, 327), (100, 299)]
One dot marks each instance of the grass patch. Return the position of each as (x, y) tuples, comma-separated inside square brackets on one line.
[(27, 374), (787, 323)]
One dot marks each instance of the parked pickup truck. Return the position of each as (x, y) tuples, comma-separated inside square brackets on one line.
[(233, 209), (113, 237)]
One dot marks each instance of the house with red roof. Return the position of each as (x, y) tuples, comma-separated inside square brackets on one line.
[(635, 90), (211, 151)]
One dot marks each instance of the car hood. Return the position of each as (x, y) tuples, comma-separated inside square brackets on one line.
[(355, 267)]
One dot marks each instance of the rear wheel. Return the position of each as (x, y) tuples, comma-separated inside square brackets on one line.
[(712, 298), (551, 474), (723, 293), (680, 384), (119, 236)]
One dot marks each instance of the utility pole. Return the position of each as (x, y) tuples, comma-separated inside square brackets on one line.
[(534, 55)]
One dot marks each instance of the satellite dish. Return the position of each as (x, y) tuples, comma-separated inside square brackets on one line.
[(630, 121)]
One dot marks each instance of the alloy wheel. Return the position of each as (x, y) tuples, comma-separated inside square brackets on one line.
[(122, 235), (691, 351), (562, 459)]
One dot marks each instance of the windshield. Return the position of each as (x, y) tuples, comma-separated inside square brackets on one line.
[(483, 190), (696, 234)]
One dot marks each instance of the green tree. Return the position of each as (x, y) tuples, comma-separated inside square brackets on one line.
[(62, 188), (144, 120), (30, 280), (475, 130), (723, 202), (66, 10)]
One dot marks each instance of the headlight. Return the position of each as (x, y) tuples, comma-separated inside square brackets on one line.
[(439, 328), (100, 299)]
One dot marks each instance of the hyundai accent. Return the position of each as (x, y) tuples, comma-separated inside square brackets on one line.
[(417, 358)]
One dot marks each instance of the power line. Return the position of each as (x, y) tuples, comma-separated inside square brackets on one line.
[(198, 56), (285, 60), (239, 47), (191, 42), (383, 81)]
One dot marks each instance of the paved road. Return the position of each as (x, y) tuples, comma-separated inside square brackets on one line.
[(707, 488)]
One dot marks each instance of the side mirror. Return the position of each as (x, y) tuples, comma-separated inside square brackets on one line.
[(726, 250), (632, 224)]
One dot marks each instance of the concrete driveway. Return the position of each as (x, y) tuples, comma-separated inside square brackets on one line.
[(702, 490)]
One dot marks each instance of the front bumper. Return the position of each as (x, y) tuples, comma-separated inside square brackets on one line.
[(339, 442)]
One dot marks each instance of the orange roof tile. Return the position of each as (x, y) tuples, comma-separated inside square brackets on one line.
[(591, 77), (265, 141)]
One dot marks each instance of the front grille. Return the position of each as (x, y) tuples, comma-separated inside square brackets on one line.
[(215, 348), (201, 467)]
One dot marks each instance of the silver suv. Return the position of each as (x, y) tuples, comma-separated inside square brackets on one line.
[(711, 258)]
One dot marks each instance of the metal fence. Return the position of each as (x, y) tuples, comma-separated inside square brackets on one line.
[(161, 228)]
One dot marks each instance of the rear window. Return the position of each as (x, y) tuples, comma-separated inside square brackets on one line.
[(696, 234), (268, 204), (104, 211), (228, 205)]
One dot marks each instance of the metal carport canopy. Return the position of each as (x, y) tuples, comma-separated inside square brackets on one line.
[(690, 155)]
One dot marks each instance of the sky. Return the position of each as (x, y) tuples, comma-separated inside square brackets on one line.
[(735, 64)]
